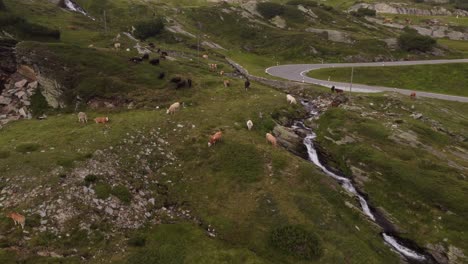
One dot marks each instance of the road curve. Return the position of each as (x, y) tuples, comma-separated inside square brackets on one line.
[(298, 72)]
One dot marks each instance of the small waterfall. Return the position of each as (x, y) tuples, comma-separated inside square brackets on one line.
[(71, 5), (392, 241)]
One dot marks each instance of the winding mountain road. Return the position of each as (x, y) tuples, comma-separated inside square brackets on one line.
[(298, 72)]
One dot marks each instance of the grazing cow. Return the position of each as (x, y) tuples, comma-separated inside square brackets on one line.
[(82, 117), (173, 108), (388, 20), (333, 88), (162, 75), (135, 60), (189, 82), (408, 21), (271, 139), (145, 56), (101, 120), (221, 73), (18, 219), (205, 56), (158, 51), (215, 138), (154, 62), (247, 84), (181, 84), (163, 53), (413, 95), (226, 83), (151, 45), (117, 46), (213, 66), (338, 90), (249, 124), (291, 99)]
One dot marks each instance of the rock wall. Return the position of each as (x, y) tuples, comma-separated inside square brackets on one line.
[(406, 10)]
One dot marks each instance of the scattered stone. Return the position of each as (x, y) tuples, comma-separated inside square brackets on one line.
[(21, 83)]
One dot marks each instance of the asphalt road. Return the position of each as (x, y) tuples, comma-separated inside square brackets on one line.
[(298, 72)]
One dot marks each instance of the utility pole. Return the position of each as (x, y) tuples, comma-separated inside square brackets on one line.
[(351, 84), (105, 22)]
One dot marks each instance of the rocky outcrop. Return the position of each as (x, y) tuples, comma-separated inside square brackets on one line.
[(15, 100), (290, 141), (53, 77), (435, 31), (402, 9), (332, 35)]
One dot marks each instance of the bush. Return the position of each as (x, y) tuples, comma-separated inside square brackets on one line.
[(461, 4), (296, 241), (103, 190), (362, 12), (270, 10), (412, 41), (89, 179), (305, 3), (137, 241), (150, 28), (122, 193), (39, 104)]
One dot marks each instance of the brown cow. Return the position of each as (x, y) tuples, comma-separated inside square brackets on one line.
[(18, 219), (215, 138), (413, 95), (272, 139), (101, 120)]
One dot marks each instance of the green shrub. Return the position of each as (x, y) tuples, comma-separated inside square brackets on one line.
[(39, 104), (270, 10), (410, 40), (103, 190), (363, 12), (89, 179), (137, 241), (27, 147), (122, 193), (150, 28), (296, 241), (461, 4)]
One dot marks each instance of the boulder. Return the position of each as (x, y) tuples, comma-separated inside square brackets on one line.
[(290, 141), (21, 83), (4, 100)]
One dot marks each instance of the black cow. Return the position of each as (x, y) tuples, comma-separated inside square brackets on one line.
[(154, 62)]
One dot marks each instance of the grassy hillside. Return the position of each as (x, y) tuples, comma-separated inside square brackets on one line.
[(430, 78), (146, 188), (422, 160)]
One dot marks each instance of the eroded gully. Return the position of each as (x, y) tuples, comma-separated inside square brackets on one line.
[(407, 249)]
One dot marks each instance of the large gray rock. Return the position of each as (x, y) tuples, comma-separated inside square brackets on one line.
[(395, 8), (290, 141), (332, 35)]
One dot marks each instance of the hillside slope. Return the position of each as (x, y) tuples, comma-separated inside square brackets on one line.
[(146, 188)]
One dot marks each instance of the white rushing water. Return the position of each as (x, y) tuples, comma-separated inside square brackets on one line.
[(76, 8), (401, 249), (349, 187)]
